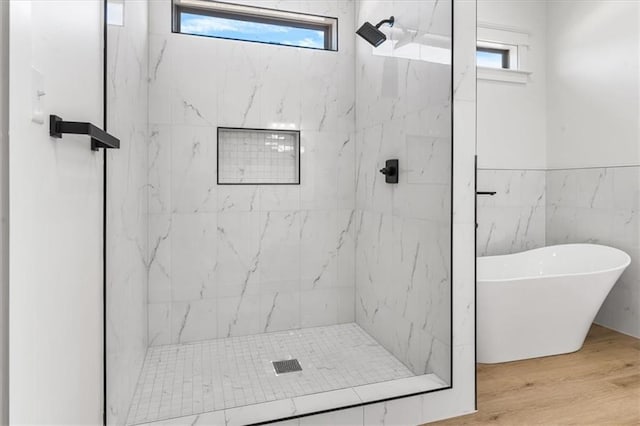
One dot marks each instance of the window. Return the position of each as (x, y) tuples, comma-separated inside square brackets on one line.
[(115, 12), (255, 24), (496, 55), (500, 54), (492, 58)]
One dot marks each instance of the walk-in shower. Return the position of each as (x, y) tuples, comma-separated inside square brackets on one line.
[(282, 276)]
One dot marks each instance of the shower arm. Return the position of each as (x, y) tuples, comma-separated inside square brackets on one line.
[(389, 21)]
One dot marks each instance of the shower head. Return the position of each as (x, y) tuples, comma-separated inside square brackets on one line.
[(372, 34)]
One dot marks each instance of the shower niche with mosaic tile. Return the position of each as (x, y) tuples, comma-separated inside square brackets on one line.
[(271, 234), (258, 156)]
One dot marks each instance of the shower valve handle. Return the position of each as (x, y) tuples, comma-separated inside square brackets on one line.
[(388, 171)]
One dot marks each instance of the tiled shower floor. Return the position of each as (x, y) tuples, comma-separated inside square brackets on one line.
[(181, 380)]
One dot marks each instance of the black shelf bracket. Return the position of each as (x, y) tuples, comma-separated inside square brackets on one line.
[(99, 138)]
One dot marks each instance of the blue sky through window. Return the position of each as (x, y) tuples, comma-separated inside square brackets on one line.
[(488, 59), (250, 31)]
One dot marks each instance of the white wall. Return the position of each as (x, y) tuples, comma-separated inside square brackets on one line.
[(511, 117), (56, 217), (230, 260), (127, 211), (593, 85), (4, 212)]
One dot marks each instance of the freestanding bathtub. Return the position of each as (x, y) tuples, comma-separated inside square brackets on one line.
[(542, 302)]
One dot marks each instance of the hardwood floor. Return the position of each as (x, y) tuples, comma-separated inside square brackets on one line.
[(598, 385)]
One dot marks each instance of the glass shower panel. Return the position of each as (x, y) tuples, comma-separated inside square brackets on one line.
[(403, 249), (314, 275)]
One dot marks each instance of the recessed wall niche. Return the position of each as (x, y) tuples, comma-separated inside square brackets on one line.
[(258, 156)]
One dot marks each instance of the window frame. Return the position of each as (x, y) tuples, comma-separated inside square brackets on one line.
[(242, 13)]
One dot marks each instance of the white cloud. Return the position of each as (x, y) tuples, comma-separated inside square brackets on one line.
[(308, 42), (206, 25)]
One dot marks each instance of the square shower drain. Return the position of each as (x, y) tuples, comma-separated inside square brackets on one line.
[(286, 366)]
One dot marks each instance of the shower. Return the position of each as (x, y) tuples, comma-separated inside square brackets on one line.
[(372, 34), (280, 265)]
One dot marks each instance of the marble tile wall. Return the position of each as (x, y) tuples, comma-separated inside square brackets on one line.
[(236, 260), (601, 206), (126, 208), (513, 219), (403, 248)]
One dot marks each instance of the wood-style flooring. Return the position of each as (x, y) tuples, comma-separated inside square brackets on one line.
[(598, 385)]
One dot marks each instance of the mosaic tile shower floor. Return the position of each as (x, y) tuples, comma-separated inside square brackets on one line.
[(181, 380)]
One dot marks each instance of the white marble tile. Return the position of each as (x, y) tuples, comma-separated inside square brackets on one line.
[(626, 188), (159, 17), (504, 230), (464, 164), (464, 283), (320, 91), (278, 257), (127, 210), (159, 169), (326, 400), (389, 389), (238, 198), (405, 411), (281, 87), (319, 307), (429, 159), (160, 72), (193, 256), (159, 324), (193, 169), (238, 240), (318, 170), (279, 197), (239, 315), (239, 104), (159, 258), (257, 413), (280, 310), (194, 320), (319, 244), (346, 417)]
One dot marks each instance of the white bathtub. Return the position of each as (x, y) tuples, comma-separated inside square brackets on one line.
[(542, 302)]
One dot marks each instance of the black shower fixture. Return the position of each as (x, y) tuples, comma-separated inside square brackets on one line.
[(391, 171), (372, 34)]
